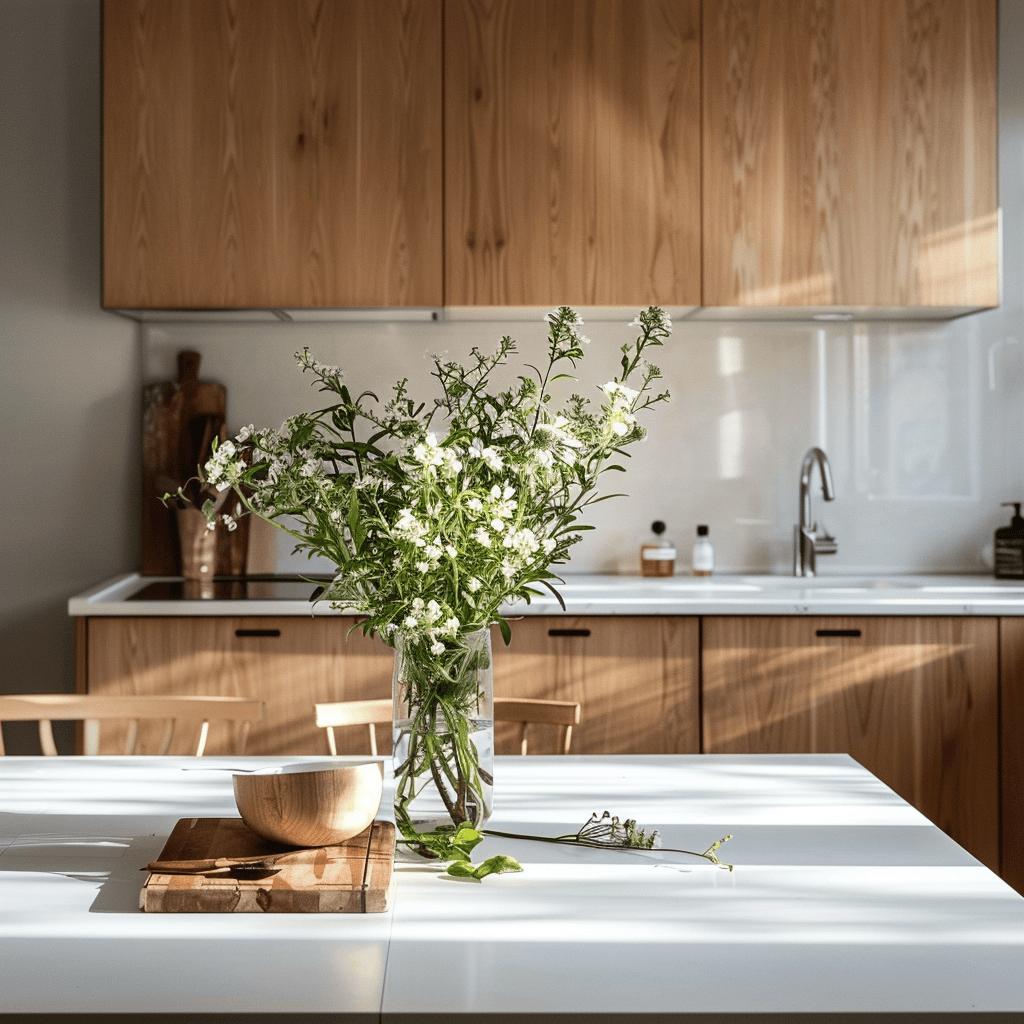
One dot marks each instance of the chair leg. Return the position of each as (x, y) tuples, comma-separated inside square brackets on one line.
[(203, 733)]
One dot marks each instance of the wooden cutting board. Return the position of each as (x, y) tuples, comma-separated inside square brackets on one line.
[(355, 877)]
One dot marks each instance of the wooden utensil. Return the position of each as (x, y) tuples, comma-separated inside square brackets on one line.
[(180, 420)]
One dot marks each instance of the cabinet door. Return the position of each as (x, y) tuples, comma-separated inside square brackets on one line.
[(914, 700), (272, 153), (635, 679), (289, 662), (849, 152), (1011, 666), (572, 152)]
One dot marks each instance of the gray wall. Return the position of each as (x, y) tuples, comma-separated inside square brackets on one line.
[(69, 373)]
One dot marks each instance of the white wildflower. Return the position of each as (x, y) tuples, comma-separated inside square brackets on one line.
[(482, 537), (475, 505), (451, 625), (437, 648), (497, 525), (474, 584), (423, 566), (619, 393), (411, 622), (245, 433)]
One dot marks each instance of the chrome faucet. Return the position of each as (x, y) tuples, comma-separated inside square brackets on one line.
[(807, 543)]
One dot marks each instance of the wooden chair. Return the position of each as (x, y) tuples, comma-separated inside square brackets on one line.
[(91, 709), (506, 709), (354, 712), (525, 711)]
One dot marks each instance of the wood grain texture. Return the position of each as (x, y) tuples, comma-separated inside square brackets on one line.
[(255, 155), (914, 700), (354, 877), (310, 808), (311, 661), (849, 153), (1011, 663), (91, 709), (634, 677), (572, 152)]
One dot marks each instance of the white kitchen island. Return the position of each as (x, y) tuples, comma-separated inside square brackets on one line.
[(844, 900)]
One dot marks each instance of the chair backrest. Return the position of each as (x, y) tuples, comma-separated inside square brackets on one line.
[(91, 709), (506, 709), (525, 711), (354, 712)]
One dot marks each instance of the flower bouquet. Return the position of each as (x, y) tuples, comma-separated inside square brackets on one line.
[(435, 515)]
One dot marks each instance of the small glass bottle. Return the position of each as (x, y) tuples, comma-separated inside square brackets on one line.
[(703, 553), (658, 559)]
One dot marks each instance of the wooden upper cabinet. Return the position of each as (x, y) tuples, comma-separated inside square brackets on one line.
[(272, 153), (572, 152), (849, 152)]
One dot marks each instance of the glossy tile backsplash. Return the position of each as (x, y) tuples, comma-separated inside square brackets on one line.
[(920, 423)]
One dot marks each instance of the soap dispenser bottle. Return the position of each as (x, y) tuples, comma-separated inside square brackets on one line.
[(1009, 546), (703, 553), (659, 558)]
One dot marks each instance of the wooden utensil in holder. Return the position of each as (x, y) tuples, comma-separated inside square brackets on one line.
[(180, 420)]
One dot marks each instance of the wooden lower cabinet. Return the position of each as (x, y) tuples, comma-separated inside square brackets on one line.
[(914, 699), (1011, 665), (636, 677), (288, 662)]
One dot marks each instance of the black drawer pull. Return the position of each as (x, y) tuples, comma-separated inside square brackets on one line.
[(257, 632), (568, 632), (837, 632)]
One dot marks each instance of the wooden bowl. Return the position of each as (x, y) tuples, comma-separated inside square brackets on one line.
[(316, 804)]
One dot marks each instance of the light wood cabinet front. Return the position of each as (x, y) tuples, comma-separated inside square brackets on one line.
[(914, 700), (272, 153), (572, 152), (849, 152), (288, 662), (635, 678)]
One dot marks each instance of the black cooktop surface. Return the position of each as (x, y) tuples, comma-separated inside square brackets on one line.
[(232, 588)]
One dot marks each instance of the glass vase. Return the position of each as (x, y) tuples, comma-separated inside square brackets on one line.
[(443, 733)]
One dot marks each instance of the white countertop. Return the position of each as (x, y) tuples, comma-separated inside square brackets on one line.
[(844, 899), (635, 595)]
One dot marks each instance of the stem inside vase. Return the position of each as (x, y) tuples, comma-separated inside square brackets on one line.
[(443, 733)]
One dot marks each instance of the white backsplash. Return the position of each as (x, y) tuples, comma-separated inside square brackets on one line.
[(920, 423)]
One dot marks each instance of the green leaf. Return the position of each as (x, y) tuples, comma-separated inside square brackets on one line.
[(467, 837), (497, 865), (506, 630), (462, 869)]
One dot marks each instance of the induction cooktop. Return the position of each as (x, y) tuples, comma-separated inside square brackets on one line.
[(233, 588)]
